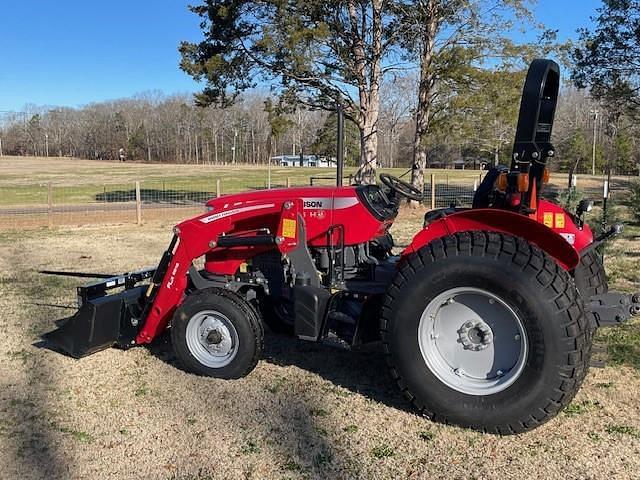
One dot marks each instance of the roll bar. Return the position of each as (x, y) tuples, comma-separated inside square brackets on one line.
[(532, 147)]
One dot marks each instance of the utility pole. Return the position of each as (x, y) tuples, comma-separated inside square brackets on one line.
[(340, 147), (595, 113), (233, 149), (46, 143)]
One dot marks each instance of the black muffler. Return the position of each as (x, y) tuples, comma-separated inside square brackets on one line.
[(103, 320)]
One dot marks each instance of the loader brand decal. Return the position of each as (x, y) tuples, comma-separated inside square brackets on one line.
[(289, 228), (329, 203), (547, 219), (172, 278), (235, 211), (559, 220)]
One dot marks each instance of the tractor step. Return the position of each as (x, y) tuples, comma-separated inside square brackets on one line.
[(599, 354)]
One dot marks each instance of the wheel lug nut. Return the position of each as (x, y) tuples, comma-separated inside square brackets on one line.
[(517, 337)]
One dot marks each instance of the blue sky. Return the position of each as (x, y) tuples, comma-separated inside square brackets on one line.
[(71, 52)]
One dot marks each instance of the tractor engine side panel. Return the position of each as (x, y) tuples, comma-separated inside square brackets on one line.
[(344, 210)]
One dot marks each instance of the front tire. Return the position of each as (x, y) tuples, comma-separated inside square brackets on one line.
[(502, 293), (217, 333)]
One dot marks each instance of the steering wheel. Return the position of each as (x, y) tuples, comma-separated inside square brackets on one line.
[(401, 187)]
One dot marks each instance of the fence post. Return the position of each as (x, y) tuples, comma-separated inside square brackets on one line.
[(138, 204), (50, 204), (433, 191), (288, 182), (218, 188)]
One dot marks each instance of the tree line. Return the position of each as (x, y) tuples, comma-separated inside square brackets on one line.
[(158, 128), (422, 83)]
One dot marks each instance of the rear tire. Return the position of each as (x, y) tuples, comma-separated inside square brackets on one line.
[(532, 290), (217, 333), (590, 276)]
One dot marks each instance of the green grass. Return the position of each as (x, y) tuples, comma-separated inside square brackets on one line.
[(169, 181), (22, 355), (78, 435), (141, 391), (623, 430), (623, 344), (278, 383), (382, 451), (318, 412), (250, 447), (426, 435), (578, 408), (292, 466)]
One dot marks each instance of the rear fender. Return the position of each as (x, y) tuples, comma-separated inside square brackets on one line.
[(501, 221)]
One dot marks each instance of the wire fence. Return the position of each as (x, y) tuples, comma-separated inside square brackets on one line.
[(51, 205)]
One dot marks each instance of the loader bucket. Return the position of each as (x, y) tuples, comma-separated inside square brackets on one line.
[(100, 323)]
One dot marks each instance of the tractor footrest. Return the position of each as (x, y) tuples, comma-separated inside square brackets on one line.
[(310, 304)]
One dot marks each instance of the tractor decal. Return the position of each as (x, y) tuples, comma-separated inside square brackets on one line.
[(329, 203), (235, 211)]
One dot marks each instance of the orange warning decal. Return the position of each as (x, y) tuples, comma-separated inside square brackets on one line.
[(559, 220), (289, 228), (548, 219)]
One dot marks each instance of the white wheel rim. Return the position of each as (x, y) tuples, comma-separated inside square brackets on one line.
[(212, 339), (473, 341)]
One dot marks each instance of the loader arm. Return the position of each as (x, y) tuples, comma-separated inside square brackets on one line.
[(208, 233)]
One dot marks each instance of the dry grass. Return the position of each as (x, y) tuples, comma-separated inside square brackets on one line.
[(307, 411)]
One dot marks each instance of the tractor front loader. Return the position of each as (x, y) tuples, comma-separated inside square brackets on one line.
[(486, 319)]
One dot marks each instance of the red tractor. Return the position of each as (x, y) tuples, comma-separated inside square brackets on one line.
[(486, 318)]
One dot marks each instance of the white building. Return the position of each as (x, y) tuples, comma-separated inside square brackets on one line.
[(303, 161)]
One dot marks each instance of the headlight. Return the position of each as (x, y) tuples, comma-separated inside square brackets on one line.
[(208, 208)]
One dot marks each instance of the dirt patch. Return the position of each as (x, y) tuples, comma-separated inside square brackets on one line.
[(307, 411)]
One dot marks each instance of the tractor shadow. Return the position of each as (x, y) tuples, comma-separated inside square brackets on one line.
[(362, 371)]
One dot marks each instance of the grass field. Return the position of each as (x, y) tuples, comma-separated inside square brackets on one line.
[(308, 411), (24, 180)]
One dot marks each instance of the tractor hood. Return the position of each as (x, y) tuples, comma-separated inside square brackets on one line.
[(308, 194)]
